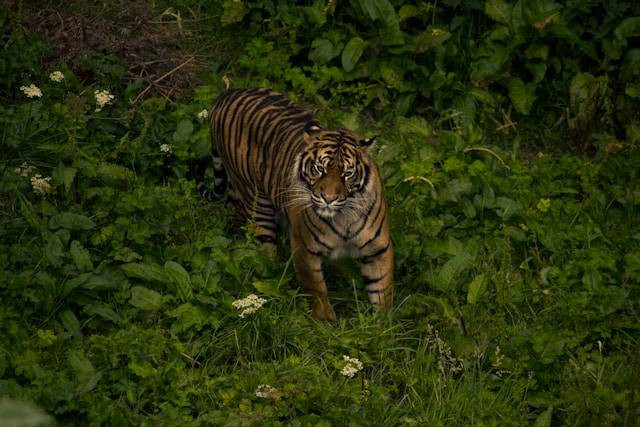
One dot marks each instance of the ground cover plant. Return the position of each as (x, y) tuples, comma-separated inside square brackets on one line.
[(509, 137)]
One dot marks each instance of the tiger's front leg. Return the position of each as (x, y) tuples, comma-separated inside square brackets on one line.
[(377, 275), (308, 268)]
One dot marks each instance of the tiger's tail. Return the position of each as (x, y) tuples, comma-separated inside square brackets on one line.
[(198, 170)]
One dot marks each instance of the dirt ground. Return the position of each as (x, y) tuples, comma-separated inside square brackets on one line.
[(150, 41)]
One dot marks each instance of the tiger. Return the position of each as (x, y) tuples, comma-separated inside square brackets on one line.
[(278, 159)]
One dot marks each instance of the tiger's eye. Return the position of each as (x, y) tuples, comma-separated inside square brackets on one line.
[(319, 168)]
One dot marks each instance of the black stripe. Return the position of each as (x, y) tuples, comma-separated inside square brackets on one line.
[(316, 236), (369, 280), (370, 258), (377, 233), (263, 238)]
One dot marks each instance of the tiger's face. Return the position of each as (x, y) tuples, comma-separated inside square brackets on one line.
[(334, 169)]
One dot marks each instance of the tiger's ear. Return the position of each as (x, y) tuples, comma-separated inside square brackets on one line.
[(310, 131), (368, 143)]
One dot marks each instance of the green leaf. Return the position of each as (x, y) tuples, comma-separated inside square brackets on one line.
[(233, 11), (70, 323), (71, 221), (430, 38), (323, 51), (522, 95), (180, 278), (103, 311), (498, 10), (81, 256), (54, 251), (112, 173), (64, 175), (86, 375), (383, 11), (145, 298), (451, 269), (544, 419), (477, 288), (149, 272), (630, 27), (351, 53)]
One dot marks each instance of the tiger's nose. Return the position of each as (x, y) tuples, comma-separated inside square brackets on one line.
[(329, 198)]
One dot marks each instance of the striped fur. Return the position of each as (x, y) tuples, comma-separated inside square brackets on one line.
[(278, 158)]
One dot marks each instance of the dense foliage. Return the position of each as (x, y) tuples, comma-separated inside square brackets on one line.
[(509, 137)]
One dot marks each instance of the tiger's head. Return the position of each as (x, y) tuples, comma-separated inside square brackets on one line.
[(335, 170)]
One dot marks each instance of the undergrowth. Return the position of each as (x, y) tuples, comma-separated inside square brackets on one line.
[(516, 238)]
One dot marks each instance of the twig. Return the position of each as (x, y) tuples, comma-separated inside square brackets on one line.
[(421, 178), (159, 79), (488, 151)]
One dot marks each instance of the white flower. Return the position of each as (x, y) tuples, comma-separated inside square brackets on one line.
[(103, 97), (265, 391), (165, 148), (203, 114), (352, 367), (24, 169), (31, 91), (41, 185), (56, 76), (249, 305)]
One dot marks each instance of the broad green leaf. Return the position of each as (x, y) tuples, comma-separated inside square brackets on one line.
[(86, 375), (630, 27), (142, 368), (506, 207), (233, 11), (383, 11), (498, 10), (323, 51), (180, 278), (145, 298), (54, 251), (391, 74), (430, 38), (183, 130), (415, 125), (630, 65), (81, 256), (64, 175), (103, 311), (451, 269), (71, 221), (351, 53), (149, 272), (112, 173), (522, 95), (407, 11), (477, 288), (633, 90), (544, 419), (70, 322)]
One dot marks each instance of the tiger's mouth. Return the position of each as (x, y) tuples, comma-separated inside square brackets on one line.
[(327, 209)]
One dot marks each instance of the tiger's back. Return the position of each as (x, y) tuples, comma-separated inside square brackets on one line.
[(277, 157)]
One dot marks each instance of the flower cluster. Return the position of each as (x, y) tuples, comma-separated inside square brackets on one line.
[(165, 148), (56, 76), (203, 114), (265, 391), (24, 169), (40, 185), (31, 91), (103, 97), (352, 367), (249, 305)]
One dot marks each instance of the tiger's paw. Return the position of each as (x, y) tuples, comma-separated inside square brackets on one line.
[(268, 249), (324, 311)]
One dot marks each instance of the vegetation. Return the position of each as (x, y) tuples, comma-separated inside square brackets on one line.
[(510, 149)]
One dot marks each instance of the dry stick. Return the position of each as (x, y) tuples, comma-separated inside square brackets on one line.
[(486, 150), (159, 79)]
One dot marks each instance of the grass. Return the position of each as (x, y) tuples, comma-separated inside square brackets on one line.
[(517, 275)]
